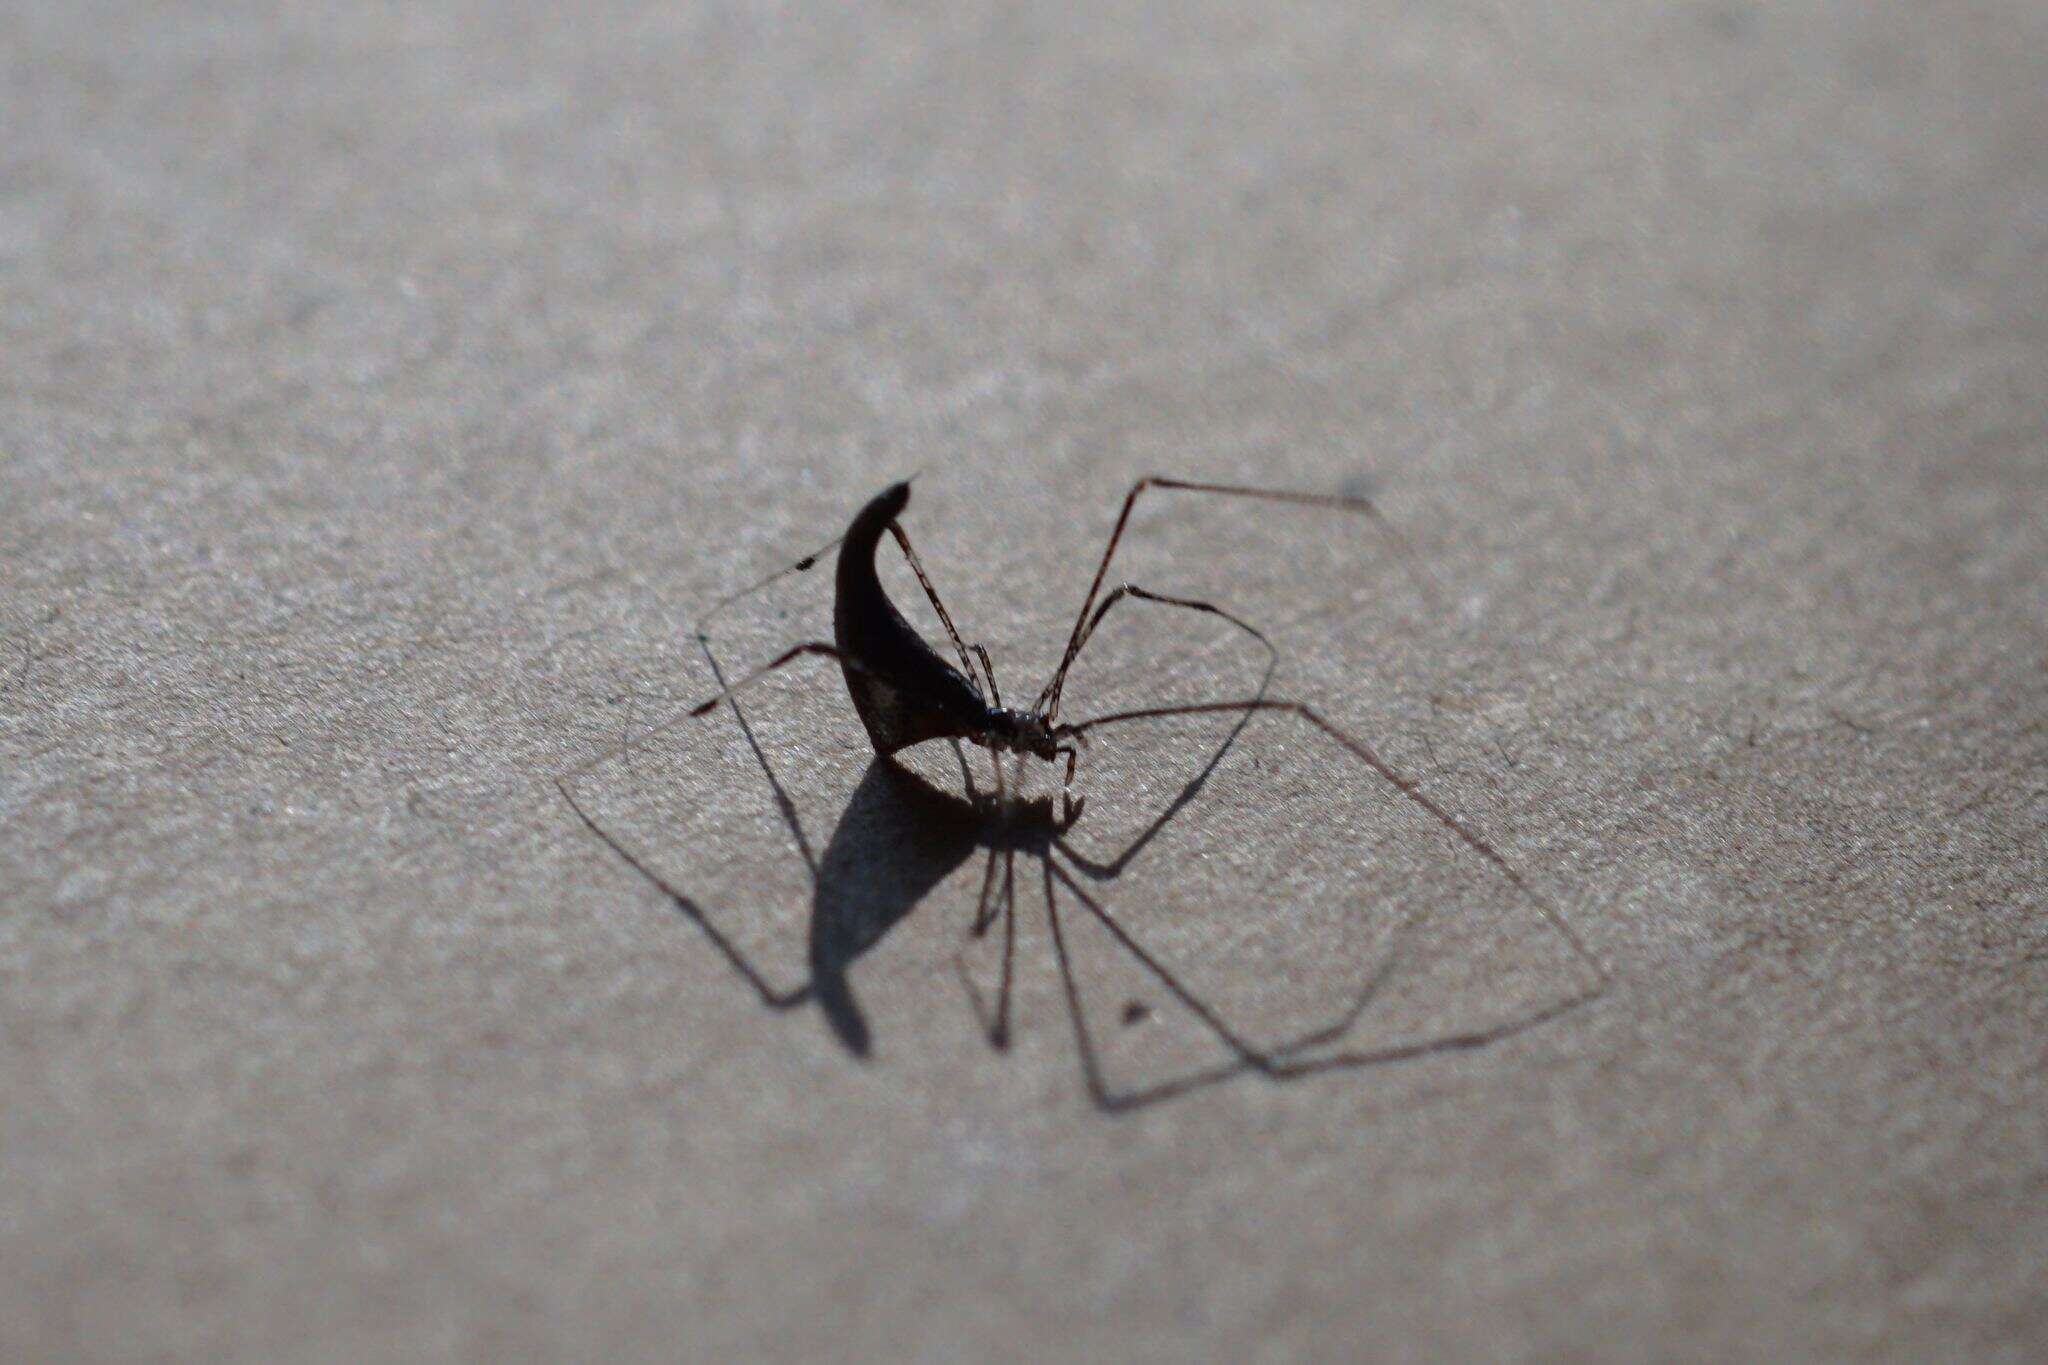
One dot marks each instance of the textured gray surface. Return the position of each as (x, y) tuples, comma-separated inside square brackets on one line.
[(385, 388)]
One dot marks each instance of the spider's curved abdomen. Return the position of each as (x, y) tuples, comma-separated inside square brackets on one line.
[(904, 692)]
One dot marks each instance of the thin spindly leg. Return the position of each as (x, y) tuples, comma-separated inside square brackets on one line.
[(945, 618), (1110, 869), (1059, 681), (709, 704), (1071, 807), (783, 803), (803, 565), (813, 648), (703, 631), (1329, 500), (995, 698), (730, 951), (995, 693), (1400, 783)]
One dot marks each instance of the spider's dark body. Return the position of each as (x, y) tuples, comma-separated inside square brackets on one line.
[(905, 693)]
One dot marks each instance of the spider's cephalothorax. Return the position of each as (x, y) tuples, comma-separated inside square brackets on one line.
[(1018, 732)]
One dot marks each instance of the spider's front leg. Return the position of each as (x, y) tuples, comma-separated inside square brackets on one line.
[(1070, 804), (1050, 701), (1069, 736)]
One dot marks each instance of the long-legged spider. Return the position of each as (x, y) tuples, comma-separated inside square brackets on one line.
[(905, 693)]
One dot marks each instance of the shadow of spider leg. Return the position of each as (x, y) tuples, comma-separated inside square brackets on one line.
[(745, 964), (1226, 944), (992, 1008), (1283, 1060), (735, 957)]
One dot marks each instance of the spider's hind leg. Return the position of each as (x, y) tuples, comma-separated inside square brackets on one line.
[(1407, 787)]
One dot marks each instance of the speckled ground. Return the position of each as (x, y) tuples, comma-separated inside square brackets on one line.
[(384, 390)]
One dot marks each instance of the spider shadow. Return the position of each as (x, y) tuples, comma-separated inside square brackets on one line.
[(897, 839), (899, 836)]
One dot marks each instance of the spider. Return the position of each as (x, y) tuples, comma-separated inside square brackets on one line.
[(906, 693)]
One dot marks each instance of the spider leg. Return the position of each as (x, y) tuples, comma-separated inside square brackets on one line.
[(945, 618), (1059, 682), (783, 803), (1187, 794), (1406, 786), (1328, 500), (801, 565), (724, 694), (995, 697), (804, 565), (734, 957), (785, 658), (995, 693)]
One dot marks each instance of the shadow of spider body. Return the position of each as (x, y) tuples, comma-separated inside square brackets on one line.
[(899, 836)]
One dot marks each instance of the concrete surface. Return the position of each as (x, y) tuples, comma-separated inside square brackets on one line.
[(386, 388)]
